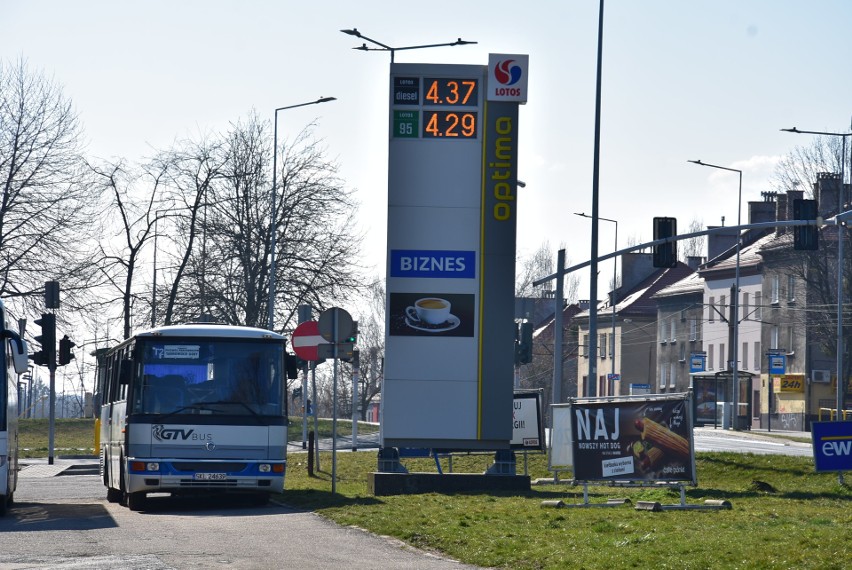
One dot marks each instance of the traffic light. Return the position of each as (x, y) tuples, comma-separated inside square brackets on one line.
[(65, 354), (47, 339), (805, 238), (523, 348), (292, 365), (665, 255), (353, 336), (38, 357)]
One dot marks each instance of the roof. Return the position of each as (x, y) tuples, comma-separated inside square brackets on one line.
[(692, 284), (640, 301)]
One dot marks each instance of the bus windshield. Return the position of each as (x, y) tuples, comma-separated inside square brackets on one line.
[(208, 376)]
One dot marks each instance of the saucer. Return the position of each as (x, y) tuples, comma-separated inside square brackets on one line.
[(448, 325)]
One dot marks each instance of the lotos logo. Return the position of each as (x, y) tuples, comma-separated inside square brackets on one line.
[(507, 72)]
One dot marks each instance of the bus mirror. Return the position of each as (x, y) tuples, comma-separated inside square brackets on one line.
[(20, 356), (125, 372)]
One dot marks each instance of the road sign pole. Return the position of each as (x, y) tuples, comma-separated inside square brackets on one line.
[(334, 409)]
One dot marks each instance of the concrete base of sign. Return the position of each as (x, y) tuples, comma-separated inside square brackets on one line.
[(415, 483)]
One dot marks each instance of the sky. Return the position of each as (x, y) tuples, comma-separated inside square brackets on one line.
[(713, 80)]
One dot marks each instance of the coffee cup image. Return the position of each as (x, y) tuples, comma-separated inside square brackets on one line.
[(429, 310)]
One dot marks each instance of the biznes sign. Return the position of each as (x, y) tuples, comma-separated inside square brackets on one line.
[(507, 77)]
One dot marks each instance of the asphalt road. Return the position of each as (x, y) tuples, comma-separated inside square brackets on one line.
[(64, 521)]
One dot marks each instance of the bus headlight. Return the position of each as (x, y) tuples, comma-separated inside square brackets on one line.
[(264, 468)]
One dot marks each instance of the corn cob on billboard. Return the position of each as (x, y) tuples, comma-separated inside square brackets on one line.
[(633, 439)]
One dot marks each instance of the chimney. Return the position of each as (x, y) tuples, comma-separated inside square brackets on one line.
[(693, 261), (762, 211), (720, 242), (635, 268), (826, 193), (781, 212)]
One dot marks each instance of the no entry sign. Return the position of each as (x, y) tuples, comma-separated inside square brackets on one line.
[(305, 340)]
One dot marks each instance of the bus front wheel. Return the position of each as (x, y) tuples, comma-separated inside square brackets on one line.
[(135, 501)]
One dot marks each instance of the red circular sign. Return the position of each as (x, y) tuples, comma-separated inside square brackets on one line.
[(305, 340)]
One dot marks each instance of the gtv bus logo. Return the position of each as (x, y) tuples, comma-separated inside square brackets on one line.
[(162, 433)]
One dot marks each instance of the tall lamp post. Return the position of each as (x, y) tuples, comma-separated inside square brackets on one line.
[(384, 47), (273, 218), (614, 287), (735, 301), (840, 237)]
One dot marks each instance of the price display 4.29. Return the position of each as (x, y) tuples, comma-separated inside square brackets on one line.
[(449, 124)]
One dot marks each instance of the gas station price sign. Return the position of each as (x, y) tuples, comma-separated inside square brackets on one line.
[(414, 98)]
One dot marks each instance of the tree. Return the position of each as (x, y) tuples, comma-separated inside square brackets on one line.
[(800, 168), (541, 264), (130, 215), (226, 276), (46, 208), (693, 247)]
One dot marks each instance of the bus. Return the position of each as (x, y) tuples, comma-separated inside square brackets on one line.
[(193, 409), (13, 361)]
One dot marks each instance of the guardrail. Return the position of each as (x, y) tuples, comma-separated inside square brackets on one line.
[(832, 414)]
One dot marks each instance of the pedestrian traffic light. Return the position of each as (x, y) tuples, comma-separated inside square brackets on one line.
[(805, 238), (47, 338), (665, 254), (65, 354)]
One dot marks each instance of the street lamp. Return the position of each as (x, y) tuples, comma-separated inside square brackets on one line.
[(735, 297), (840, 238), (273, 219), (384, 47), (614, 287)]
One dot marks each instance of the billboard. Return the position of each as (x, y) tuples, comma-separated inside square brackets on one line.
[(527, 421), (452, 181), (832, 446), (632, 439)]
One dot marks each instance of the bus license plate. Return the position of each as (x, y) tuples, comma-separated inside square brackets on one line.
[(210, 476)]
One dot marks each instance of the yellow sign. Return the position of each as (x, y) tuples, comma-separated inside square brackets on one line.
[(791, 383)]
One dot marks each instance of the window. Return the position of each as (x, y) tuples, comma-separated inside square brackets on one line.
[(744, 356), (710, 357), (776, 286), (611, 345), (757, 355), (722, 306), (758, 309), (790, 338), (672, 375), (711, 310), (774, 338), (663, 377), (722, 365), (693, 330), (602, 344), (585, 346), (791, 289), (745, 306), (661, 330), (672, 334), (683, 352)]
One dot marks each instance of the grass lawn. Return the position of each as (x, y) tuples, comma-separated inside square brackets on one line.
[(784, 514), (799, 519)]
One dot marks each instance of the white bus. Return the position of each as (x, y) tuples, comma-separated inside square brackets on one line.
[(13, 361), (195, 408)]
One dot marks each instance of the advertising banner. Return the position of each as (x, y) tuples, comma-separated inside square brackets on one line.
[(527, 424), (832, 446), (633, 439)]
